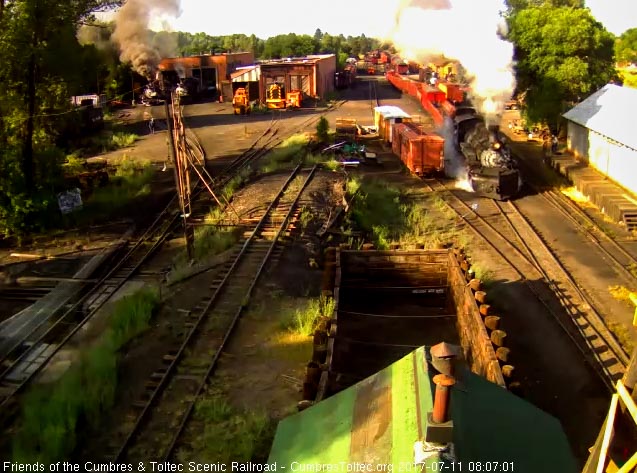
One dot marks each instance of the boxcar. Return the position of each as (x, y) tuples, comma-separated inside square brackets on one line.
[(421, 152)]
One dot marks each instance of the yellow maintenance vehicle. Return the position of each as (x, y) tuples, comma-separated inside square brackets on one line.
[(293, 99), (274, 97), (241, 101)]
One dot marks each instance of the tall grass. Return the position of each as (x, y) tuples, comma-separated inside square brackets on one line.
[(230, 434), (122, 140), (304, 321), (53, 413), (284, 155), (386, 214), (131, 180), (327, 161)]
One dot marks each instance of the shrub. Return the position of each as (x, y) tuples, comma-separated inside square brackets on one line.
[(322, 129)]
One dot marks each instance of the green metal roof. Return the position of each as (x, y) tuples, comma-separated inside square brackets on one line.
[(379, 420)]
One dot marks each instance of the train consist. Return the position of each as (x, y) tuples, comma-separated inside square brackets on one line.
[(491, 170)]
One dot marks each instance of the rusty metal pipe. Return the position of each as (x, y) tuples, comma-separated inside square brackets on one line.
[(441, 399)]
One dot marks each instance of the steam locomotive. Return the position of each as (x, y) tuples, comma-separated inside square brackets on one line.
[(492, 172)]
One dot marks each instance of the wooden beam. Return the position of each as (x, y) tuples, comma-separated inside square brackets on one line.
[(608, 431), (628, 401)]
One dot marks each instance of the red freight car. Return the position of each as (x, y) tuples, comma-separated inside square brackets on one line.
[(422, 153)]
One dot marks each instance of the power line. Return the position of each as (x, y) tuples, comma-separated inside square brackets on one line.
[(114, 99)]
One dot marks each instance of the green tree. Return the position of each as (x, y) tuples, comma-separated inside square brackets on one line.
[(563, 54), (626, 47), (35, 86)]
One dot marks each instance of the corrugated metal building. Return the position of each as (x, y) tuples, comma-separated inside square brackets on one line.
[(212, 70), (601, 132), (313, 75)]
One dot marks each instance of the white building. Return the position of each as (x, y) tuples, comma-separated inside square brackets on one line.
[(603, 132)]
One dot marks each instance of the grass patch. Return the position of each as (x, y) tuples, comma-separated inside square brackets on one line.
[(386, 215), (284, 155), (632, 268), (230, 434), (483, 273), (122, 140), (305, 217), (620, 293), (305, 320), (131, 180), (52, 414), (326, 161), (623, 336), (235, 184)]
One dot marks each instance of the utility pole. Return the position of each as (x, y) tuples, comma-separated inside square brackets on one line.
[(180, 168)]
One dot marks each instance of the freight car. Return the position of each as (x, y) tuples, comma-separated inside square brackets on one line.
[(422, 153), (492, 172), (385, 117)]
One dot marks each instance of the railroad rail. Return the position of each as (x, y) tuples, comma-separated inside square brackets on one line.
[(173, 390), (529, 255), (613, 251), (27, 356), (49, 336), (20, 365)]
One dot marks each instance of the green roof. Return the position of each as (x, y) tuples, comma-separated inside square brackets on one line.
[(380, 419)]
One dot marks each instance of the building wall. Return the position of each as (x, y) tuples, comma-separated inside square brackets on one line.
[(613, 160), (610, 158), (325, 70), (577, 140), (223, 64), (292, 76)]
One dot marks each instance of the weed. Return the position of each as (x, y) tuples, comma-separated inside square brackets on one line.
[(620, 293), (353, 185), (210, 241), (632, 268), (132, 180), (131, 316), (484, 274), (52, 413), (234, 184), (283, 156), (304, 321), (623, 335), (229, 434), (74, 164), (305, 217), (122, 140)]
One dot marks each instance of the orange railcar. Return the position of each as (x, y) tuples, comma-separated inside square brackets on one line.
[(422, 153)]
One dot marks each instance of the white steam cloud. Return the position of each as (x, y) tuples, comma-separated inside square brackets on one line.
[(466, 31), (132, 33)]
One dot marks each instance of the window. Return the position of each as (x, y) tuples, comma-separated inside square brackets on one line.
[(300, 83)]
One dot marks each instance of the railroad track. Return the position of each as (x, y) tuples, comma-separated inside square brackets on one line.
[(524, 250), (27, 356), (161, 416), (613, 252)]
